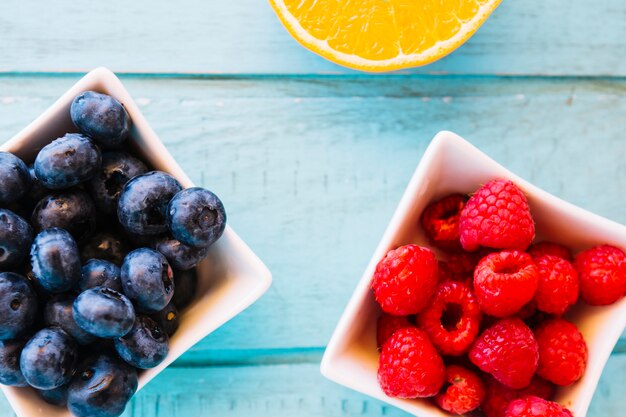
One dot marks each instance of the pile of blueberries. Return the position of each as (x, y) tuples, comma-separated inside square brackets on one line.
[(92, 284)]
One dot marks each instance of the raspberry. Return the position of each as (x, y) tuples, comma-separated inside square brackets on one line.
[(464, 393), (497, 216), (558, 284), (562, 352), (550, 248), (409, 365), (388, 325), (504, 282), (405, 280), (440, 221), (602, 273), (498, 396), (531, 406), (453, 318), (508, 351)]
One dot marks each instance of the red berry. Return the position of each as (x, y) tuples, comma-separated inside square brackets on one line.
[(405, 280), (562, 352), (550, 248), (508, 351), (498, 396), (504, 282), (452, 320), (440, 221), (388, 325), (530, 406), (558, 284), (409, 365), (464, 393), (602, 273), (497, 216)]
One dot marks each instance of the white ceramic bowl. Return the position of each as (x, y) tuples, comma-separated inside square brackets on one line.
[(451, 165), (231, 278)]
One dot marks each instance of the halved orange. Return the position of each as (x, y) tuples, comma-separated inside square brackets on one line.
[(382, 35)]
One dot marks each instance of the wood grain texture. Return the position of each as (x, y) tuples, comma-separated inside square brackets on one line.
[(561, 37), (310, 169)]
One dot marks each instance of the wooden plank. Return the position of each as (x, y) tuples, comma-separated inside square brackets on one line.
[(295, 390), (244, 36), (311, 169)]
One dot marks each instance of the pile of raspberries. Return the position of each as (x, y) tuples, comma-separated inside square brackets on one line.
[(484, 329)]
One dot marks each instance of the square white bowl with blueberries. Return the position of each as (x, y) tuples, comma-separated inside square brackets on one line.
[(457, 314), (112, 264)]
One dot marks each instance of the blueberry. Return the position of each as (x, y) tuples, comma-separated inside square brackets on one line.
[(101, 117), (167, 318), (16, 236), (71, 210), (143, 203), (186, 283), (147, 279), (67, 161), (101, 387), (145, 346), (100, 273), (10, 372), (181, 256), (117, 169), (49, 358), (105, 245), (18, 305), (14, 178), (58, 312), (55, 396), (55, 260), (196, 217), (104, 312), (36, 191)]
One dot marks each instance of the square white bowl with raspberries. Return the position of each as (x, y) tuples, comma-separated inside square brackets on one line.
[(452, 165), (229, 280)]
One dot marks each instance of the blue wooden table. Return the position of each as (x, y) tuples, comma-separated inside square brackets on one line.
[(311, 159)]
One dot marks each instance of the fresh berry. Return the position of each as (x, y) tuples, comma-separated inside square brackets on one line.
[(18, 305), (167, 318), (508, 351), (405, 280), (196, 217), (101, 387), (101, 117), (67, 161), (180, 256), (147, 280), (463, 264), (58, 312), (35, 193), (142, 206), (497, 216), (105, 245), (117, 169), (104, 312), (409, 365), (499, 396), (49, 358), (539, 249), (531, 406), (440, 221), (55, 396), (464, 392), (452, 320), (100, 273), (71, 210), (387, 325), (14, 178), (145, 346), (186, 284), (16, 236), (562, 352), (602, 273), (504, 282), (558, 284), (55, 260), (10, 372)]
